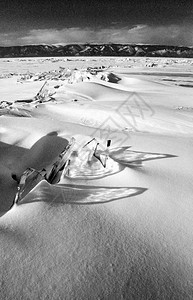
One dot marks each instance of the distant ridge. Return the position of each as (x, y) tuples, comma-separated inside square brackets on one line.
[(96, 50)]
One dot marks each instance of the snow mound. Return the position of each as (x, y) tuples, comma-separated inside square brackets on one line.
[(72, 75)]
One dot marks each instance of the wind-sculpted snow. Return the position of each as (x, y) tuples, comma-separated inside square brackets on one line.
[(86, 163), (104, 215), (72, 75), (24, 108), (15, 110)]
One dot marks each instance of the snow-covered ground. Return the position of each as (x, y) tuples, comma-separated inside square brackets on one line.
[(138, 247)]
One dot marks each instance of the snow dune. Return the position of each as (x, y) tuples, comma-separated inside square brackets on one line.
[(137, 247)]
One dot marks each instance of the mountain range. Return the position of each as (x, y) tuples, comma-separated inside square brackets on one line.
[(96, 50)]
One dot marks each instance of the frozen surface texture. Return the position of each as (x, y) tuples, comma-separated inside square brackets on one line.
[(68, 239)]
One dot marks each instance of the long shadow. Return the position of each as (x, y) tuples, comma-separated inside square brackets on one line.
[(9, 156), (127, 157), (46, 151), (43, 153), (78, 194), (15, 160)]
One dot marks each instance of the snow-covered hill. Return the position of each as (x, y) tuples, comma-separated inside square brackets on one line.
[(96, 50)]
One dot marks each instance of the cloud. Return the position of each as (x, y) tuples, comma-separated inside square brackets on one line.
[(166, 35), (141, 33)]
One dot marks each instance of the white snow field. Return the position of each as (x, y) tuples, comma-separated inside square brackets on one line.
[(120, 228)]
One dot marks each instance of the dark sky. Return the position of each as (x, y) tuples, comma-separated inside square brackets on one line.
[(58, 21)]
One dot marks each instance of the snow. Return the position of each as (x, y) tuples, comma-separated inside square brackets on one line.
[(137, 247)]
